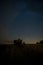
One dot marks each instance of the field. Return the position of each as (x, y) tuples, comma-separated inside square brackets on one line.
[(31, 52)]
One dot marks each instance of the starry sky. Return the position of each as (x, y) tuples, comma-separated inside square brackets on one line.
[(21, 19)]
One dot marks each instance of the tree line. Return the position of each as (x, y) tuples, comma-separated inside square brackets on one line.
[(20, 42)]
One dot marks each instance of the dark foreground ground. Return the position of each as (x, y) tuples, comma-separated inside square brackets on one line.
[(31, 53)]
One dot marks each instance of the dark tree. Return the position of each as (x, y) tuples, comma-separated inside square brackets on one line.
[(41, 42), (18, 42)]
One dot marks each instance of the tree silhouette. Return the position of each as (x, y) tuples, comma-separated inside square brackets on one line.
[(18, 42), (41, 42)]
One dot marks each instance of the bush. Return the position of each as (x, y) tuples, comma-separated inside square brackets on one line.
[(37, 42)]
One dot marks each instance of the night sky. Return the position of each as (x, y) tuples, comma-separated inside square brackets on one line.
[(21, 19)]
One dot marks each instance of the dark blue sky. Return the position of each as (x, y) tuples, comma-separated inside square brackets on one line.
[(21, 19)]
